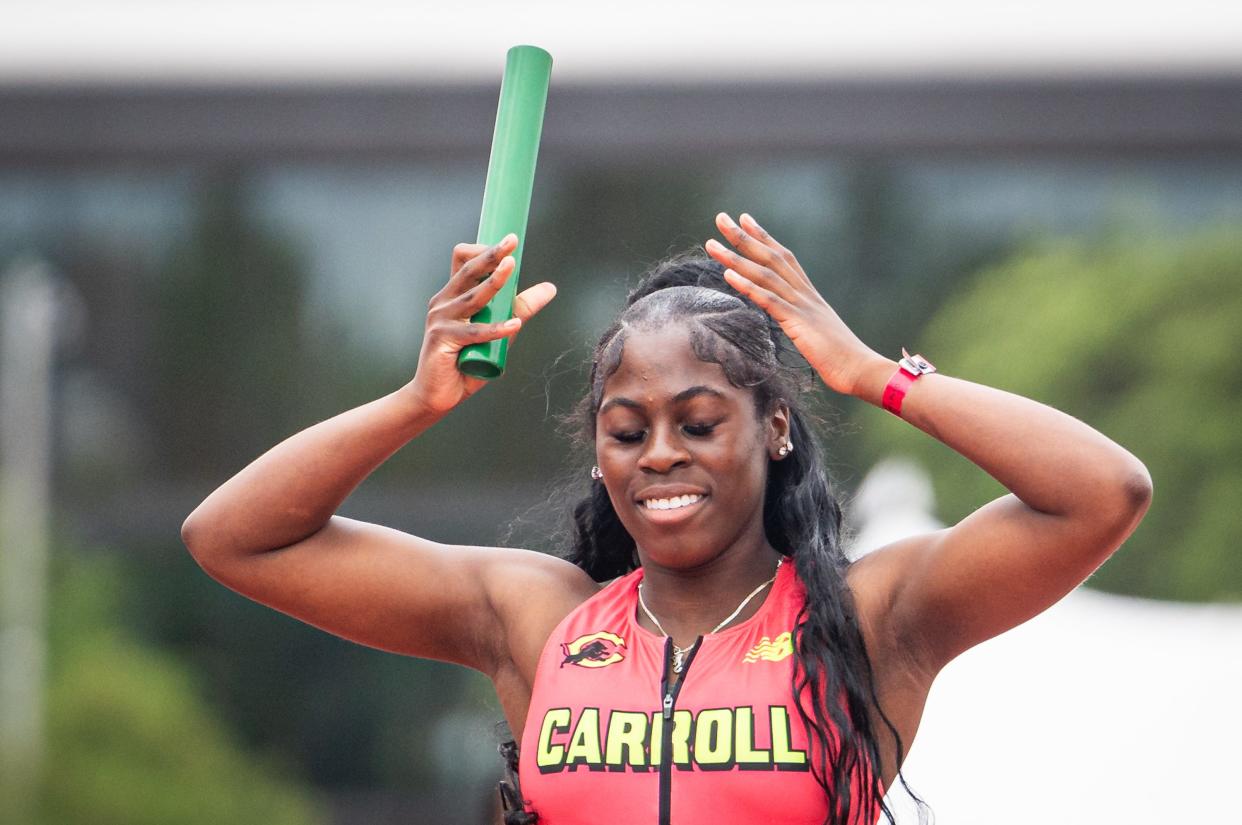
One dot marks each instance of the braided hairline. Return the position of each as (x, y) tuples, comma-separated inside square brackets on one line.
[(716, 336)]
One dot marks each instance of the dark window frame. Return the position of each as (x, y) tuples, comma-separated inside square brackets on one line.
[(625, 123)]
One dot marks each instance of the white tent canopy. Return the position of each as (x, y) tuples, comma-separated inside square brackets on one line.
[(1104, 709)]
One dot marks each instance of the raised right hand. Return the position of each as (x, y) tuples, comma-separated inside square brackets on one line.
[(477, 273)]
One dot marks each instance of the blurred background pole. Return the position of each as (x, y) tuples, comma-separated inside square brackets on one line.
[(27, 337)]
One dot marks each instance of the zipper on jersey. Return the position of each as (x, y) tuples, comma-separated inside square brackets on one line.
[(669, 703)]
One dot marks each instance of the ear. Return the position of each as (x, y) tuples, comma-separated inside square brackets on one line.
[(778, 430)]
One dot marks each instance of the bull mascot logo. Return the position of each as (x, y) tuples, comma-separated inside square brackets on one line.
[(599, 649)]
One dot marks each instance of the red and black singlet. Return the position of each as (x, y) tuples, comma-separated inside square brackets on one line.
[(606, 741)]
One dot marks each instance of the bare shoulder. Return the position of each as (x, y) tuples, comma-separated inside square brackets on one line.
[(531, 593), (876, 581)]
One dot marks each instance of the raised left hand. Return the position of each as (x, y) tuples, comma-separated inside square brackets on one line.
[(768, 274)]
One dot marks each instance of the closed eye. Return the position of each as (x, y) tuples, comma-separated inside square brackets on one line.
[(696, 430)]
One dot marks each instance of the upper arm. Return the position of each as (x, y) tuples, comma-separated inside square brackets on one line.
[(387, 589), (949, 590)]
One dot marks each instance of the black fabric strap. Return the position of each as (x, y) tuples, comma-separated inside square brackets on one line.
[(511, 802)]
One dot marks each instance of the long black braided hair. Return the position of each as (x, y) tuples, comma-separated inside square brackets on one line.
[(802, 518)]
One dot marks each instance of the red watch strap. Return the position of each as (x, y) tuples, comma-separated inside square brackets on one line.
[(895, 391), (909, 369)]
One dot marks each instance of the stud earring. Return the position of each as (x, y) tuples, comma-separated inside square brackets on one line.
[(785, 449), (597, 473)]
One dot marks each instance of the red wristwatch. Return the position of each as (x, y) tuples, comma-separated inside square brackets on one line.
[(909, 368)]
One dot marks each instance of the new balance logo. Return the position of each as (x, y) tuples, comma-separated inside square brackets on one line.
[(771, 650)]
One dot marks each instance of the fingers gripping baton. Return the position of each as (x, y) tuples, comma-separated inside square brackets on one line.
[(506, 195)]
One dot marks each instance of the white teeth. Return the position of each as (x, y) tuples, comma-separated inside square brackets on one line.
[(671, 503)]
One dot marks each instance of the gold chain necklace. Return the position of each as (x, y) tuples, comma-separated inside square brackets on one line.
[(679, 653)]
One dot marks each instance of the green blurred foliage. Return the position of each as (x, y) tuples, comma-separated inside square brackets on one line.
[(349, 716), (231, 363), (1137, 335), (130, 739)]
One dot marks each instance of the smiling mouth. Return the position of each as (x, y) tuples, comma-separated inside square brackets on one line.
[(674, 503)]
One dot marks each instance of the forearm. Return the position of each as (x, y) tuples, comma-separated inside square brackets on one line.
[(1050, 460), (291, 491)]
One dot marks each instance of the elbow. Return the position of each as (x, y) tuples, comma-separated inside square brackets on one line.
[(194, 538), (188, 533), (1138, 488), (1133, 495)]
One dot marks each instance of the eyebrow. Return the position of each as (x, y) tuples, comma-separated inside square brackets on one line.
[(684, 395)]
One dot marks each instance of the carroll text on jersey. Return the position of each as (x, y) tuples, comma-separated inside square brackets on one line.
[(712, 739)]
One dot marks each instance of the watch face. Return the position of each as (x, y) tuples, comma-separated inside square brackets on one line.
[(916, 364)]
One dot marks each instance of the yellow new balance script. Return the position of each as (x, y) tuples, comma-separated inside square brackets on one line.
[(713, 739), (771, 650)]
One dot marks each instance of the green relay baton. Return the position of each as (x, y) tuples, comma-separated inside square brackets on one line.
[(506, 195)]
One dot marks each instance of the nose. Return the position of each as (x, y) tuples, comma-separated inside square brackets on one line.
[(664, 450)]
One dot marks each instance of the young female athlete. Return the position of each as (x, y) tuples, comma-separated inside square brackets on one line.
[(706, 654)]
